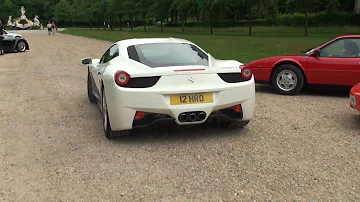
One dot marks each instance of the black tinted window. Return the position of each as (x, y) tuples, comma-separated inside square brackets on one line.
[(111, 53), (167, 54)]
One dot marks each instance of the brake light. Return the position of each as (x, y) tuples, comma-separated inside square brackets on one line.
[(245, 72), (187, 70), (122, 78)]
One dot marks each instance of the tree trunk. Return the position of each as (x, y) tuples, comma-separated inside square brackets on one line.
[(266, 5), (249, 21), (176, 17), (161, 25), (259, 9), (306, 20), (357, 7), (120, 19), (144, 15), (210, 23), (182, 20), (110, 23), (90, 24), (131, 22), (73, 24), (172, 17)]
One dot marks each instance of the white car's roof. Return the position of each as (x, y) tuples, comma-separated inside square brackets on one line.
[(136, 41)]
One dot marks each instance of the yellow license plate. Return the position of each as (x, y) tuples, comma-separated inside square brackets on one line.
[(191, 99)]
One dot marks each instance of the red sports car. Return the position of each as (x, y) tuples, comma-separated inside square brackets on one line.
[(355, 97), (336, 62)]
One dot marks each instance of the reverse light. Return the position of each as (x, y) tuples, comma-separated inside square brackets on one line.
[(122, 78), (139, 115), (245, 72)]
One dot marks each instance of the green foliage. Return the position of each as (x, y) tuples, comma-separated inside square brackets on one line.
[(209, 13), (320, 19), (233, 43)]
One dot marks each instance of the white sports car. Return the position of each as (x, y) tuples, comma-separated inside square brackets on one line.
[(141, 82)]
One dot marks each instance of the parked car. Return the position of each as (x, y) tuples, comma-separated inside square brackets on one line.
[(140, 82), (14, 42), (336, 62), (11, 34), (355, 97)]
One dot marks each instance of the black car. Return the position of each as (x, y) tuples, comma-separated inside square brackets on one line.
[(14, 42)]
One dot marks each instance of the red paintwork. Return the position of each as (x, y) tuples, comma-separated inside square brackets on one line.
[(317, 70), (355, 91)]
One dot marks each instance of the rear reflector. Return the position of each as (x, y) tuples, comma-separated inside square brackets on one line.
[(187, 70), (139, 115), (237, 108)]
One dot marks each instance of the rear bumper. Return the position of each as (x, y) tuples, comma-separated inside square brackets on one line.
[(124, 103)]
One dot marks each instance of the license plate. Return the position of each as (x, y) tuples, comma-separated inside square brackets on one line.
[(191, 99), (352, 100)]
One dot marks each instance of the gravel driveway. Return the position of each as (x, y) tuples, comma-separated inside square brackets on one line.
[(53, 148)]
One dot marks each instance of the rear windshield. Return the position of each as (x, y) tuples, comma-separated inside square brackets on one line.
[(167, 54)]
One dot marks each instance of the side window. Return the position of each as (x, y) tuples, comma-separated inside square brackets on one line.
[(343, 48), (114, 52), (105, 56), (111, 53)]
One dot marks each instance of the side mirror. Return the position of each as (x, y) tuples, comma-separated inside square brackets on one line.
[(86, 61), (316, 53)]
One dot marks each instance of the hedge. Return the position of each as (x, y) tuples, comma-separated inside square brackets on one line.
[(321, 19)]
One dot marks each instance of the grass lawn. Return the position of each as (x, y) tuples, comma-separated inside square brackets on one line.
[(232, 43)]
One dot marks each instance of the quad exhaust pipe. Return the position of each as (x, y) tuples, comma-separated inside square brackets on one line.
[(202, 116), (192, 116), (183, 117)]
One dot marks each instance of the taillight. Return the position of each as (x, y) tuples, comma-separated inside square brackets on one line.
[(246, 72), (122, 78)]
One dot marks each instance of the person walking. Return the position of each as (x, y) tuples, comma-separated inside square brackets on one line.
[(1, 39), (49, 27), (53, 27)]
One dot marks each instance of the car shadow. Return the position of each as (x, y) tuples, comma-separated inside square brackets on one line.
[(173, 133), (310, 90), (354, 121)]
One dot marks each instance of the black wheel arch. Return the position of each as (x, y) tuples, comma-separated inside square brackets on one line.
[(289, 63), (21, 39)]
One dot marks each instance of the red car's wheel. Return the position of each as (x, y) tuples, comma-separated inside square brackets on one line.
[(287, 79)]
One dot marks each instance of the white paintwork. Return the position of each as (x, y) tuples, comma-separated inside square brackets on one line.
[(124, 102), (8, 34)]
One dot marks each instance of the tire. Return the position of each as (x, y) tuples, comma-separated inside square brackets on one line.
[(21, 46), (106, 122), (91, 96), (287, 79)]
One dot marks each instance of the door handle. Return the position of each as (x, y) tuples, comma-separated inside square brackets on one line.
[(99, 73)]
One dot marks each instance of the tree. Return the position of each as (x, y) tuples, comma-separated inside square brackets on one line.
[(248, 5), (6, 8), (303, 6), (63, 11), (357, 7), (160, 10), (143, 8)]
